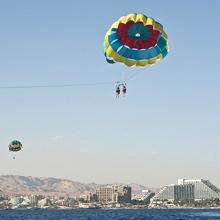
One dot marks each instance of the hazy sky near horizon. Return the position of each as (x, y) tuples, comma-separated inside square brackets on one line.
[(166, 128)]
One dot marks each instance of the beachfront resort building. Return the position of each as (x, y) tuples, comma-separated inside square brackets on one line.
[(175, 193), (195, 189), (203, 189), (114, 194)]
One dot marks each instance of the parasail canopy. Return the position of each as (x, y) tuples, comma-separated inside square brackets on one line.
[(136, 40), (15, 145)]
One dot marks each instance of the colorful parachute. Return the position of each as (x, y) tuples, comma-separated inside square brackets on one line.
[(136, 40), (15, 146)]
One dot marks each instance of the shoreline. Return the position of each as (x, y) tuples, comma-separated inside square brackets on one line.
[(128, 208)]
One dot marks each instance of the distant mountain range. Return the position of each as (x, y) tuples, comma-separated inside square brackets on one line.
[(26, 185)]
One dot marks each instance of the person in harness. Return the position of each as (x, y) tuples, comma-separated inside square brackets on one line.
[(117, 91), (124, 89)]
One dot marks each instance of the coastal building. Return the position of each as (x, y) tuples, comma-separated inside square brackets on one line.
[(175, 193), (34, 199), (114, 194), (165, 193), (203, 189), (91, 197), (143, 197), (1, 196), (184, 192), (14, 201), (44, 202), (188, 189)]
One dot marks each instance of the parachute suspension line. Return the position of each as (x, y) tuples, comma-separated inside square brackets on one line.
[(90, 84), (58, 85), (122, 86), (136, 72)]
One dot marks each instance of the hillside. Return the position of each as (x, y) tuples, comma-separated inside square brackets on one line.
[(46, 186), (27, 185)]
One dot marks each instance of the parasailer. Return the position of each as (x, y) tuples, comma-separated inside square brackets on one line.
[(124, 89), (117, 90), (15, 146), (120, 87), (136, 41)]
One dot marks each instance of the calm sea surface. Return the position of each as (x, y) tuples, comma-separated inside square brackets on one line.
[(139, 214)]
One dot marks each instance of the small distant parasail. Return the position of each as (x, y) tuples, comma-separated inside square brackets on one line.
[(136, 40), (15, 146)]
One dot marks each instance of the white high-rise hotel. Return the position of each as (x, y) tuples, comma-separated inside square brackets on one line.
[(188, 189), (203, 189)]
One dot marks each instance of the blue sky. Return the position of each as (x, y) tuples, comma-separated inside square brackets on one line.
[(166, 128)]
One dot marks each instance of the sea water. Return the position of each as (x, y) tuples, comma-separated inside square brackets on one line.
[(101, 214)]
